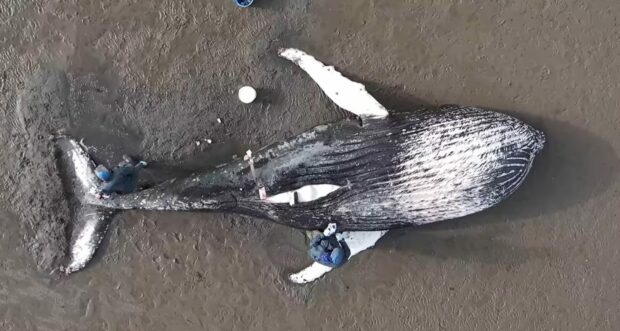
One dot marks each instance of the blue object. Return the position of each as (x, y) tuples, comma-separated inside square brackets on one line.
[(327, 251), (124, 180), (103, 173), (338, 256), (244, 3)]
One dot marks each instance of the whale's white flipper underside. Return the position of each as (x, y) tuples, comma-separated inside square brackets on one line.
[(347, 94), (357, 241), (304, 194)]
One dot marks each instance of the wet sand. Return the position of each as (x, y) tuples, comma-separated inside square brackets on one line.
[(151, 78)]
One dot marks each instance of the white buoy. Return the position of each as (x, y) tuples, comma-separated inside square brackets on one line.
[(247, 94)]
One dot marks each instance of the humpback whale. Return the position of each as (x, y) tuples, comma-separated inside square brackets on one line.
[(389, 171)]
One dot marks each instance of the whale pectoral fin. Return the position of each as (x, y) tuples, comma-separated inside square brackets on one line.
[(347, 94), (357, 242), (310, 273), (306, 193)]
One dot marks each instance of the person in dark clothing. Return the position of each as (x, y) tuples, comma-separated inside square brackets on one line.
[(327, 250), (123, 179)]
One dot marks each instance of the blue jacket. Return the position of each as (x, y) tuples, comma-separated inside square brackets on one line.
[(124, 180), (327, 251)]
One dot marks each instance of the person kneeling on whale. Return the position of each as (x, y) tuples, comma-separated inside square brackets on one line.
[(328, 248), (122, 179)]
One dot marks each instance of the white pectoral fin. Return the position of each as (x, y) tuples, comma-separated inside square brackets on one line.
[(310, 273), (357, 241), (304, 194), (347, 94)]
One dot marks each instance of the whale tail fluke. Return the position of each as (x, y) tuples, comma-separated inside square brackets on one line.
[(89, 222), (89, 229)]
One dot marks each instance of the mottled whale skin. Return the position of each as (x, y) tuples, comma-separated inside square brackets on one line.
[(404, 169), (409, 169)]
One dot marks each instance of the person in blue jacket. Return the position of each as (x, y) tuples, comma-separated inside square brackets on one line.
[(122, 179), (328, 250)]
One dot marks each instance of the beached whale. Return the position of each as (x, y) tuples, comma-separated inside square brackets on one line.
[(390, 171)]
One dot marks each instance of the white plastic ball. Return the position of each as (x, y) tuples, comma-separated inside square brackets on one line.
[(247, 94)]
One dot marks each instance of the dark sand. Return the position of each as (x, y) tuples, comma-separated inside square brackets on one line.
[(152, 77)]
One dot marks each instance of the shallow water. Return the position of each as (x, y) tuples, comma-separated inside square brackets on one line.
[(153, 78)]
